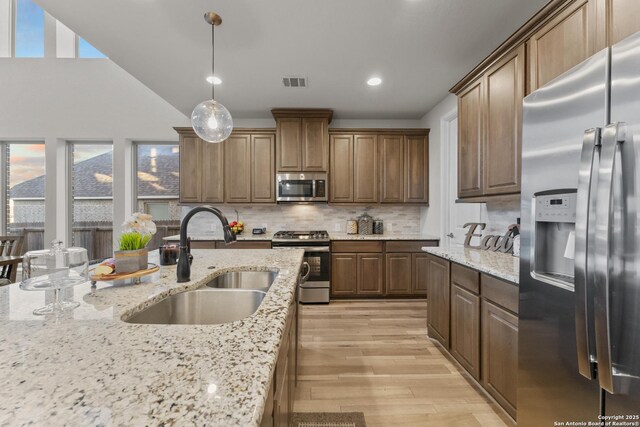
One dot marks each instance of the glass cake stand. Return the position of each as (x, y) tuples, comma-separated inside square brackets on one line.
[(54, 269)]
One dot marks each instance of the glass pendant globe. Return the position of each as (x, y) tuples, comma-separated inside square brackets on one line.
[(212, 121)]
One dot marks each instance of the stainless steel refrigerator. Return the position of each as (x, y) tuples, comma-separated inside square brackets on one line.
[(579, 330)]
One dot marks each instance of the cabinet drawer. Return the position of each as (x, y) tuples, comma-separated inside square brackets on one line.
[(356, 246), (202, 244), (500, 292), (409, 245), (465, 278), (244, 245)]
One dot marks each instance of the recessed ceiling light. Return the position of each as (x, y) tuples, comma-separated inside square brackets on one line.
[(214, 80), (374, 81)]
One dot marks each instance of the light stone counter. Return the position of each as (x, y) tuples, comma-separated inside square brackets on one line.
[(332, 236), (87, 367), (503, 266)]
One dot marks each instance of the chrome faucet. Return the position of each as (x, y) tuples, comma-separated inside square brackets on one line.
[(184, 259)]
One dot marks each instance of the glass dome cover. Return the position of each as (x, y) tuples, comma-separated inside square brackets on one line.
[(54, 268), (212, 121)]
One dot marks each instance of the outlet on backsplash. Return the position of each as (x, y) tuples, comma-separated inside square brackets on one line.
[(336, 226)]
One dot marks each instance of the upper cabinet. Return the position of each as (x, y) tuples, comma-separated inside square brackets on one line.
[(238, 170), (561, 35), (371, 166), (563, 42), (302, 139)]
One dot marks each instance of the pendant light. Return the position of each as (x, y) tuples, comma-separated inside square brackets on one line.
[(210, 119)]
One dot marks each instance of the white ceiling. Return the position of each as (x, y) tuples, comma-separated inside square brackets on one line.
[(420, 48)]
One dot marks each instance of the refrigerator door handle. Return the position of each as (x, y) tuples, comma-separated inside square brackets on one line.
[(612, 137), (585, 231)]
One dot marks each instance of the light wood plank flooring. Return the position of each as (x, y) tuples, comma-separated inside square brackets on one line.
[(374, 357)]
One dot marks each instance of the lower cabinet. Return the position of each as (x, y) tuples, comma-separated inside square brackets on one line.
[(500, 355), (279, 405), (344, 275), (419, 265), (399, 274), (370, 277), (465, 329), (438, 296)]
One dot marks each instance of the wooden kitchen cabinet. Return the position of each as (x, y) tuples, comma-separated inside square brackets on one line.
[(618, 20), (263, 185), (398, 277), (416, 186), (566, 40), (315, 144), (502, 144), (341, 170), (470, 137), (370, 276), (237, 173), (500, 355), (465, 329), (284, 379), (438, 292), (190, 167), (365, 169), (302, 139), (344, 274), (212, 173), (391, 168)]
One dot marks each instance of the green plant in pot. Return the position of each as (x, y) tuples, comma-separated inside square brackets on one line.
[(132, 254)]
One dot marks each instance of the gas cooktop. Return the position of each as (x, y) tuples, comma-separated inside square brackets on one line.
[(309, 236)]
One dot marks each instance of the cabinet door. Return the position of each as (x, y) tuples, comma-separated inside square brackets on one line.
[(341, 176), (212, 173), (470, 137), (263, 176), (500, 355), (315, 145), (237, 173), (618, 19), (370, 274), (398, 274), (344, 274), (419, 276), (190, 169), (465, 329), (365, 169), (289, 145), (416, 153), (563, 42), (503, 138), (438, 300), (392, 168)]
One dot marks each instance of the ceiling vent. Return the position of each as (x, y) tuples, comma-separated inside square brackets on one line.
[(294, 81)]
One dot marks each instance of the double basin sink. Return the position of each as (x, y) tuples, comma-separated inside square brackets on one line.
[(226, 298)]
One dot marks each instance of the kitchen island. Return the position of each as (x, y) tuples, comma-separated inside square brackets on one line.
[(89, 367)]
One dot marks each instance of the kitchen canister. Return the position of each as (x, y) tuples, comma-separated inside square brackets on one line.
[(352, 226), (365, 224), (378, 226)]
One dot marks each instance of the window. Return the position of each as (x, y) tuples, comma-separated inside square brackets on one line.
[(29, 35), (24, 191), (157, 186), (85, 50), (92, 198)]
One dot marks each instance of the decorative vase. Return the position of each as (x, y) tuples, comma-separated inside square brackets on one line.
[(131, 261)]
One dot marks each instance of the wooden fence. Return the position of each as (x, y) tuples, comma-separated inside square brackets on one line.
[(96, 237)]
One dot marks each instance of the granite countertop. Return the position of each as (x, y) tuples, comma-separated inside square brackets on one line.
[(332, 236), (503, 266), (88, 367)]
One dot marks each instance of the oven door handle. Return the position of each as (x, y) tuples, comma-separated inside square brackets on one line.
[(307, 249)]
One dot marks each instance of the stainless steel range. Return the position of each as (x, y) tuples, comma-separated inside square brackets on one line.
[(315, 289)]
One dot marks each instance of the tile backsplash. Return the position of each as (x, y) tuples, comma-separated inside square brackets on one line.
[(498, 215), (397, 219)]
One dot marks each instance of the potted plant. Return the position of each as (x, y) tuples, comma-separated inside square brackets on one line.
[(133, 254)]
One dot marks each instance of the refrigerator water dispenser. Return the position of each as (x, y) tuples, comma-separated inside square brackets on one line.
[(553, 240)]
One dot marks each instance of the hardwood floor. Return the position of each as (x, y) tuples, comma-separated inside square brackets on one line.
[(374, 357)]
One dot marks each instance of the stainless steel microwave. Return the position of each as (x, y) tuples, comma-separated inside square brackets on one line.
[(301, 187)]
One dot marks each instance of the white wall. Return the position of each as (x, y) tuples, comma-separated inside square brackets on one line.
[(430, 217), (57, 100)]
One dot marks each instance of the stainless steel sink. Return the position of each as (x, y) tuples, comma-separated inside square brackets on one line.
[(244, 280), (201, 307)]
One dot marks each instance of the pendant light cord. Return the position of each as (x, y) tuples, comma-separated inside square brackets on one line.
[(213, 59)]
